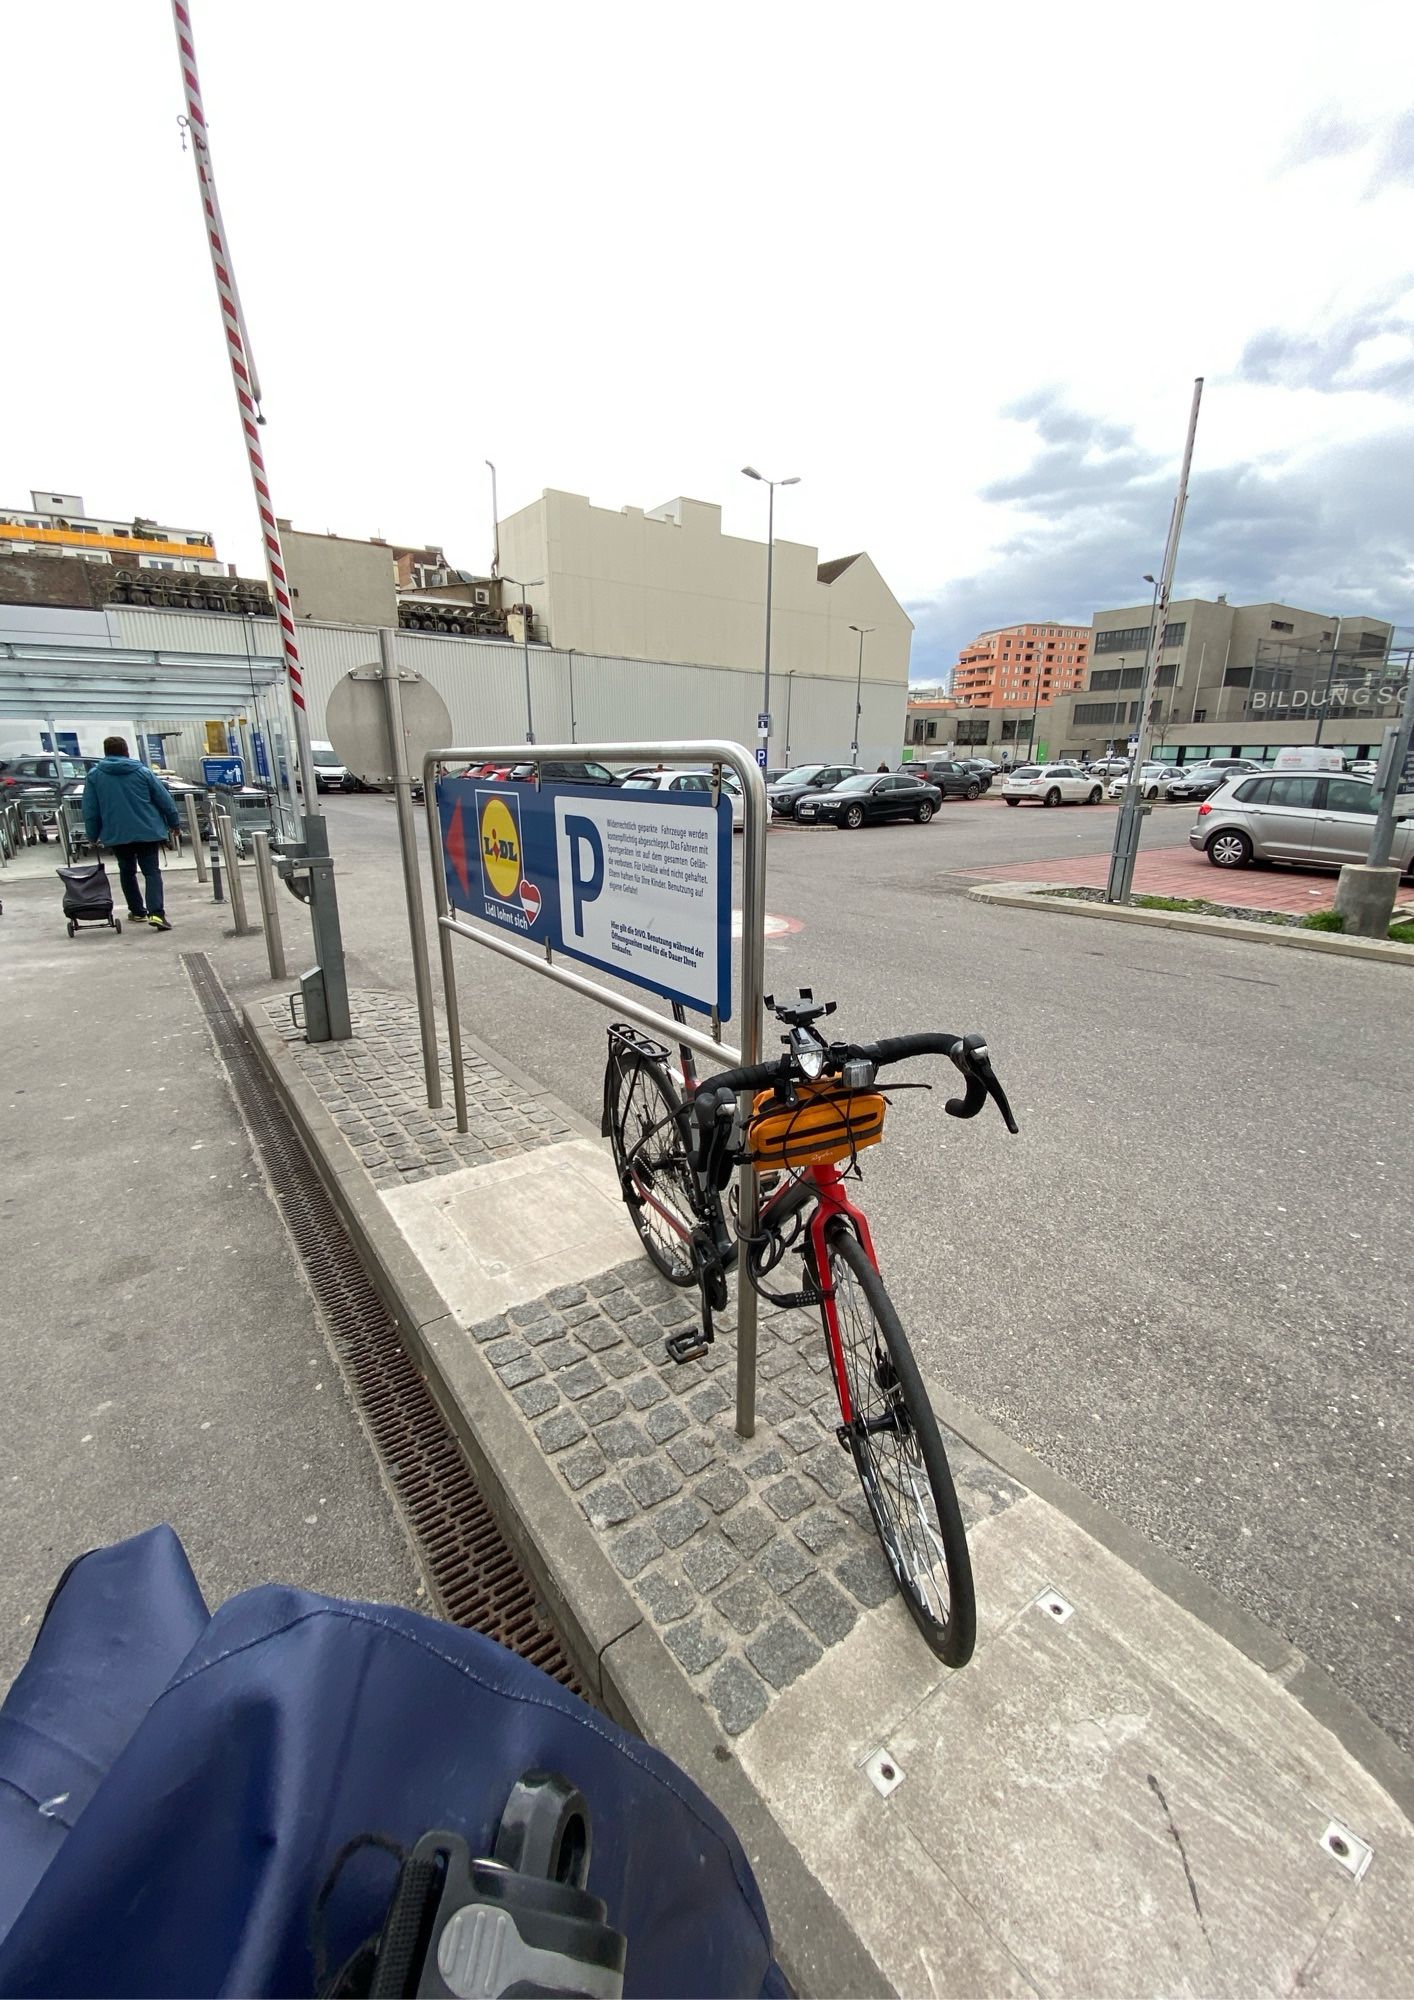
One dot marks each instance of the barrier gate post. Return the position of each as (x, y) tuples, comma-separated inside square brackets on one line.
[(718, 755)]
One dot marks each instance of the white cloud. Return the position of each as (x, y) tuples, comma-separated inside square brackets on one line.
[(626, 249)]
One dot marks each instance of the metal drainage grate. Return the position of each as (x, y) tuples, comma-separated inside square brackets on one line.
[(475, 1574)]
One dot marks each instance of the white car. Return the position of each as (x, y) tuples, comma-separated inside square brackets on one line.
[(1154, 779), (693, 779), (1051, 785)]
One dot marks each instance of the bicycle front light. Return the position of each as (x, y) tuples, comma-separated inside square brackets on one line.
[(810, 1055)]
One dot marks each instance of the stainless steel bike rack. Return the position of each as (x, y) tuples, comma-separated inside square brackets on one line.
[(753, 958)]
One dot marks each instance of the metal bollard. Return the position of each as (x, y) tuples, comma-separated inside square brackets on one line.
[(214, 862), (269, 906), (244, 927), (198, 847)]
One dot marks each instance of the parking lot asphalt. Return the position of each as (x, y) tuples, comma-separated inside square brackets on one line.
[(1184, 1285)]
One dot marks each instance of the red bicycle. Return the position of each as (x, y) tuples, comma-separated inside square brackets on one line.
[(802, 1120)]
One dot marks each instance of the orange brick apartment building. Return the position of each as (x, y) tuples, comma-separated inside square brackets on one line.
[(1008, 666)]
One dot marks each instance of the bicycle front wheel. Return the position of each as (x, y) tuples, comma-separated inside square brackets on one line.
[(652, 1161), (899, 1456)]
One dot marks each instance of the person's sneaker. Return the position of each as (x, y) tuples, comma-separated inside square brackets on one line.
[(137, 916), (159, 923)]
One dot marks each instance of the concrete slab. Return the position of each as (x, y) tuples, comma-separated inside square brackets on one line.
[(1118, 1804), (499, 1235)]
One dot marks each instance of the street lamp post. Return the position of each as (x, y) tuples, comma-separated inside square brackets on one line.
[(771, 485), (495, 526), (859, 684), (1330, 679), (1132, 811), (534, 584)]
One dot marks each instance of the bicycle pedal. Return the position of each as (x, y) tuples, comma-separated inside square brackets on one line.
[(689, 1345)]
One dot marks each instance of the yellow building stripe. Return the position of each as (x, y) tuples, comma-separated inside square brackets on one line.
[(123, 544)]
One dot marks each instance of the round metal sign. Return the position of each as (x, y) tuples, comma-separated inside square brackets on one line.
[(357, 721)]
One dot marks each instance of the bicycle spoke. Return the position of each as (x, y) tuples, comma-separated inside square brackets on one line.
[(658, 1176), (891, 1466)]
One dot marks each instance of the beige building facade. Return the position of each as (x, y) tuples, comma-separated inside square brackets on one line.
[(1232, 680), (339, 579), (666, 584)]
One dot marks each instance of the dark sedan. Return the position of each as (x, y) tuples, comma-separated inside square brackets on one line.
[(884, 795), (954, 778), (802, 779), (1200, 781)]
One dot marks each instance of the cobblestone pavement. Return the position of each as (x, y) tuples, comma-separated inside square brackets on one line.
[(750, 1557), (372, 1087)]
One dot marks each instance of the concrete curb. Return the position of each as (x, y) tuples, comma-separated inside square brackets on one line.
[(1033, 896), (620, 1655)]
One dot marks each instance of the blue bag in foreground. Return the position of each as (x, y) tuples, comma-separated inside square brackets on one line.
[(247, 1839)]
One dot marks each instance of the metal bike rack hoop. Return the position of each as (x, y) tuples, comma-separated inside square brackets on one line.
[(753, 953)]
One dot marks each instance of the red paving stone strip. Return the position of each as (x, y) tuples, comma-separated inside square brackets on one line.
[(1177, 871)]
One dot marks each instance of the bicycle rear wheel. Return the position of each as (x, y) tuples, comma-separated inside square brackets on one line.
[(899, 1456), (652, 1161)]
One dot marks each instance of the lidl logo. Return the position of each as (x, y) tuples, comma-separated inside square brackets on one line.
[(499, 843)]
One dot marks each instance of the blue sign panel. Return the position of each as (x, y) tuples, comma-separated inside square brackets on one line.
[(261, 755), (223, 771), (635, 883)]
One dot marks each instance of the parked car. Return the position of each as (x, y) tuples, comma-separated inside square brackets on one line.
[(785, 795), (954, 779), (1200, 781), (566, 771), (1153, 780), (695, 778), (1108, 767), (984, 767), (24, 772), (877, 796), (1315, 818), (1051, 785)]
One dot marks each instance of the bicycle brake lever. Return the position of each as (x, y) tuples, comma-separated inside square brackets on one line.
[(971, 1058)]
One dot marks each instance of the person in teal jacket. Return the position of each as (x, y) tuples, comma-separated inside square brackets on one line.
[(127, 809)]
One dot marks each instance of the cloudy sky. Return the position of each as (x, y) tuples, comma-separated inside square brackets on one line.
[(956, 268)]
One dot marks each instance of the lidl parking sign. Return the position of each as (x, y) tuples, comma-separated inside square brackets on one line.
[(635, 883)]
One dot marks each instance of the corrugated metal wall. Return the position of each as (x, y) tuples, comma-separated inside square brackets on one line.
[(482, 682)]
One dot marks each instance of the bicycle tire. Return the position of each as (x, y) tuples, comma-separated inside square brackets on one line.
[(908, 1487), (652, 1161)]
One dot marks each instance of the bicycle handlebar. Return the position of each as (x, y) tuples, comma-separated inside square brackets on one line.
[(967, 1052)]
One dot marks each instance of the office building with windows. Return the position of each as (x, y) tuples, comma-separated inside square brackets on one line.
[(58, 524)]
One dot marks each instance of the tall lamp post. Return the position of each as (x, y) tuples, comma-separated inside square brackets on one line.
[(771, 485), (790, 690), (859, 684), (495, 526), (534, 584), (1330, 678)]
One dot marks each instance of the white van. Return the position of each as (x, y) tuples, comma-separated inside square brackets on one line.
[(1307, 757), (329, 773)]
